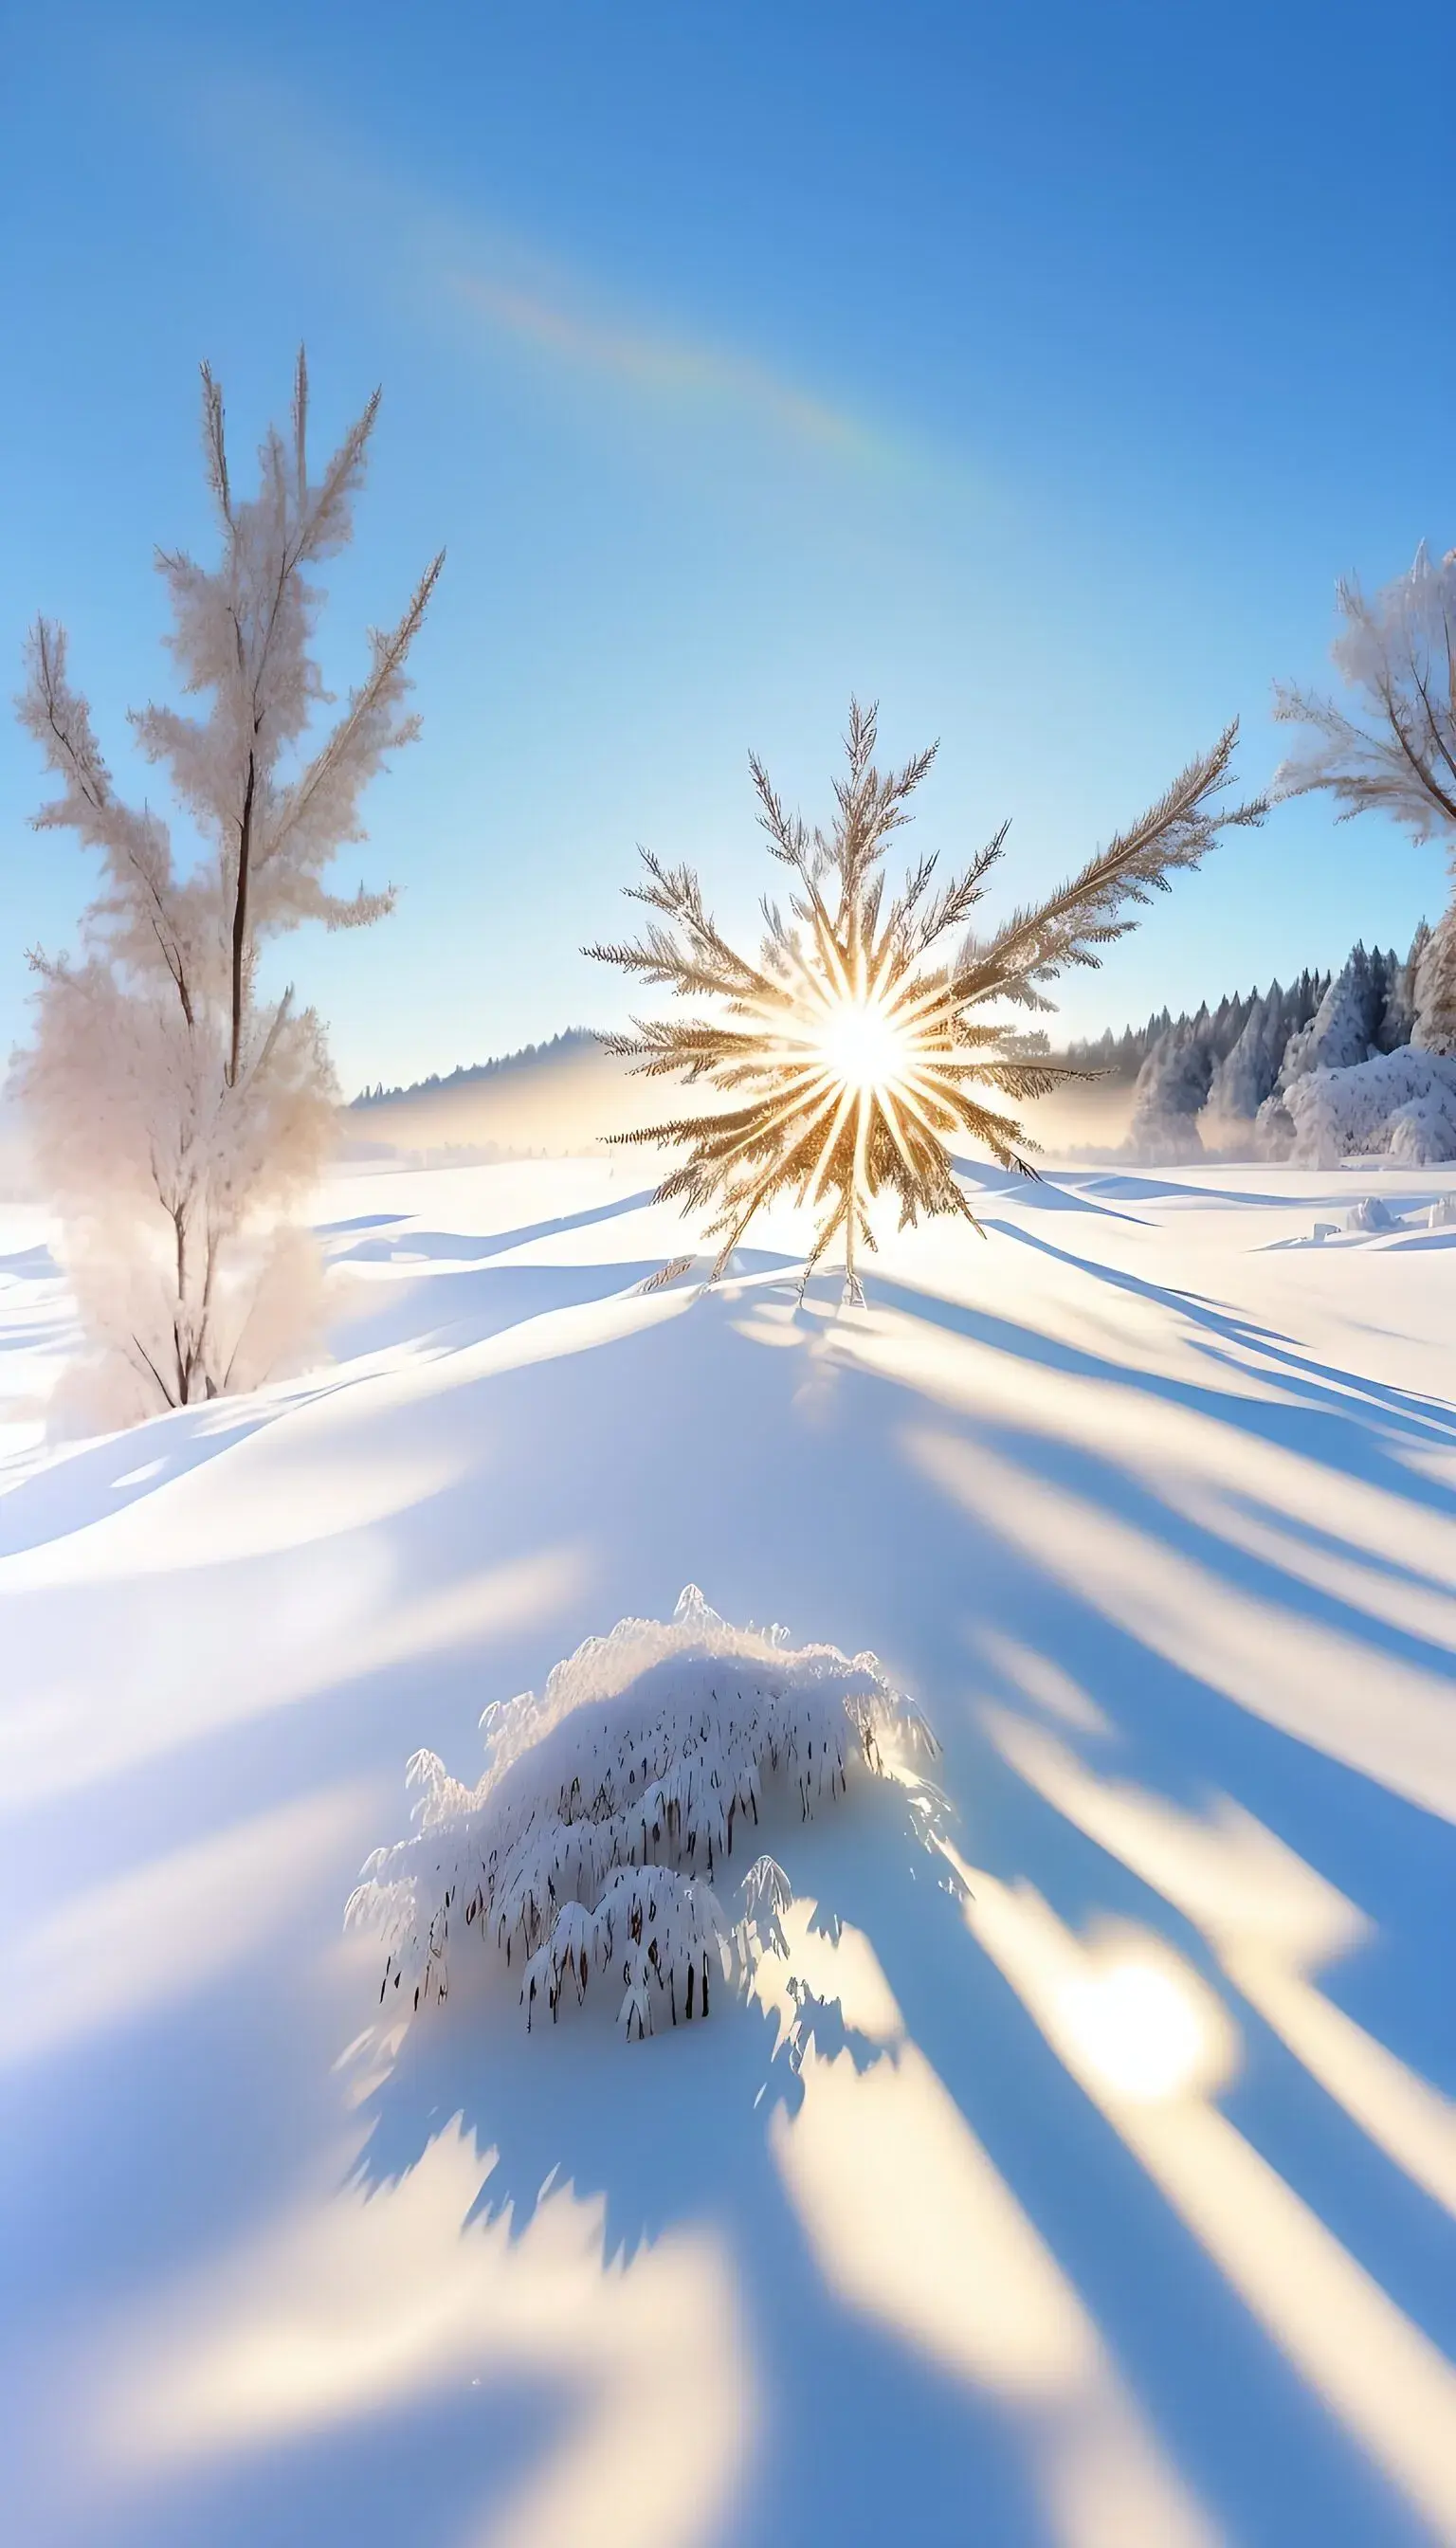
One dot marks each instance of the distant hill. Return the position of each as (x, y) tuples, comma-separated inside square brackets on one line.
[(554, 1100), (563, 1097), (557, 1047)]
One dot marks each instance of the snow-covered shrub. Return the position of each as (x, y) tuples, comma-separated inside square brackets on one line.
[(1273, 1134), (1370, 1214), (1401, 1104), (1442, 1212), (610, 1805)]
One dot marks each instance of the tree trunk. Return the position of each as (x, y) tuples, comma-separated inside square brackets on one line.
[(240, 915)]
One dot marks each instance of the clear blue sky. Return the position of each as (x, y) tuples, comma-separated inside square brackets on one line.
[(1035, 370)]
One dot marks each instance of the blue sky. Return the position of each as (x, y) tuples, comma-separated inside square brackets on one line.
[(1037, 372)]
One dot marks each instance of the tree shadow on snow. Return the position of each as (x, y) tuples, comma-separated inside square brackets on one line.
[(680, 2133), (780, 1480), (785, 1483), (1222, 1334), (467, 1247)]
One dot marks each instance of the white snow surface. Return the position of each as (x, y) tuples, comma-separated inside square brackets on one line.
[(1081, 2171)]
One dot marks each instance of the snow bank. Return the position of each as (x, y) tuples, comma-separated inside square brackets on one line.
[(592, 1838)]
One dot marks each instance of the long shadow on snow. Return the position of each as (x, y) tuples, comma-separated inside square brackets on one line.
[(1231, 1338), (796, 1501), (1323, 1426), (680, 2131), (31, 1264), (445, 1311), (838, 1534), (451, 1243), (78, 1487)]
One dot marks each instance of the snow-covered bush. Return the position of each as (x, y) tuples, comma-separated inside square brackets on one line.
[(610, 1805), (1442, 1212), (1273, 1133), (1398, 1104), (1370, 1214)]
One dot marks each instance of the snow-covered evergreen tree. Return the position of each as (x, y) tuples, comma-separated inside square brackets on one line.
[(174, 1114), (1398, 1025), (1344, 1027), (1249, 1070), (1364, 1017), (1173, 1089)]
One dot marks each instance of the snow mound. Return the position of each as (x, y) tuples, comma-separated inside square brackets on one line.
[(1401, 1104), (1442, 1212), (1370, 1214), (608, 1801)]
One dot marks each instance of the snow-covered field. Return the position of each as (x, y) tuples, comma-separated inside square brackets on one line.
[(1097, 2186)]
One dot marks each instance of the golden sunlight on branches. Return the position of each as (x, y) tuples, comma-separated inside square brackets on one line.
[(851, 1059)]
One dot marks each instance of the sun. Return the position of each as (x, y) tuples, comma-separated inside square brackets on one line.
[(862, 1043), (859, 1071), (849, 1056)]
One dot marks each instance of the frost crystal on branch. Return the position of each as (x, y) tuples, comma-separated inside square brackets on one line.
[(847, 1054), (610, 1805), (174, 1112)]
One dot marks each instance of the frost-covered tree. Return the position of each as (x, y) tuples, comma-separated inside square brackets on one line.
[(1396, 754), (174, 1112), (1353, 1062), (1248, 1070), (1205, 1080), (1172, 1087), (1434, 990), (1346, 1027)]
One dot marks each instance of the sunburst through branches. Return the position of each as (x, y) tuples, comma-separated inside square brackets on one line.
[(849, 1056)]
